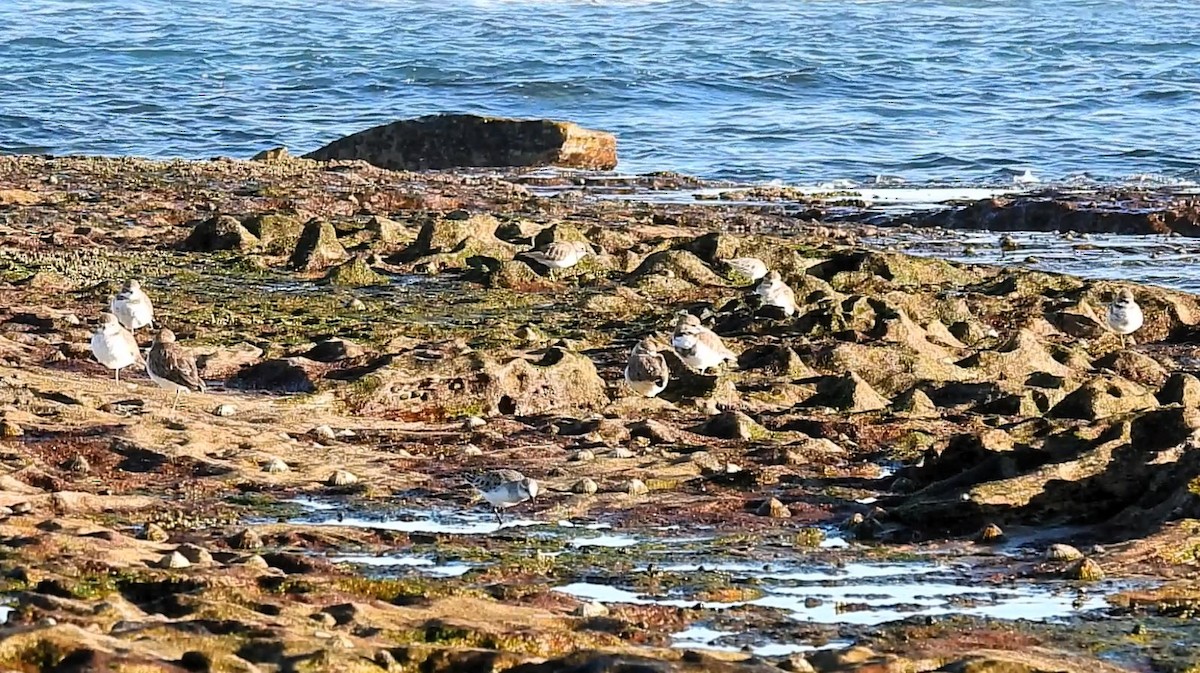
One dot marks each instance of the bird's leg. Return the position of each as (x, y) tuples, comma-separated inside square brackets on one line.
[(1122, 342), (499, 516), (176, 402), (117, 373)]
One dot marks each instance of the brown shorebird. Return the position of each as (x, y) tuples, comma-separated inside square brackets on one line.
[(699, 347), (646, 372), (172, 367), (560, 255), (774, 292), (504, 488)]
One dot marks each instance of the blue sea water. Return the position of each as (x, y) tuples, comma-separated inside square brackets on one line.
[(929, 91)]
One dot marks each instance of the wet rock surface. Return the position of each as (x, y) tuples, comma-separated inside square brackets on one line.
[(830, 489)]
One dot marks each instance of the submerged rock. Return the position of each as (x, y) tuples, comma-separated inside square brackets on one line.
[(461, 140), (355, 273)]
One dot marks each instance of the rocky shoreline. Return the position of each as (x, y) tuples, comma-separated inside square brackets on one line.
[(372, 338)]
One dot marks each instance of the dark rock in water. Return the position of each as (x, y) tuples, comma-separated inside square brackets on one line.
[(332, 350), (318, 247), (221, 232), (355, 273), (285, 375), (454, 141), (732, 425)]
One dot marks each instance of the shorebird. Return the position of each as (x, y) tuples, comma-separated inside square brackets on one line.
[(750, 267), (132, 307), (1124, 315), (699, 347), (646, 372), (774, 292), (503, 489), (114, 346), (172, 367), (560, 255)]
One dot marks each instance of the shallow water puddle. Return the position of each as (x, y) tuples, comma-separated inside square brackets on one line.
[(419, 563)]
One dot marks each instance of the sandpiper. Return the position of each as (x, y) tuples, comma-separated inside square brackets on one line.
[(503, 489), (699, 347), (774, 292), (114, 346), (559, 255), (172, 367), (1124, 315), (646, 372), (750, 267), (132, 307)]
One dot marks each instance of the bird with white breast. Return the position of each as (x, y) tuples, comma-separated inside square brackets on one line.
[(132, 306), (646, 373), (699, 347), (1124, 316), (114, 346), (772, 291), (503, 489), (559, 255)]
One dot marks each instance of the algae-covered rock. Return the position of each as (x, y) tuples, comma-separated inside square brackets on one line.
[(291, 375), (220, 232), (677, 264), (562, 379), (278, 233), (1180, 388), (354, 273), (915, 402), (512, 275), (463, 140), (848, 392), (457, 237), (389, 232), (559, 232), (732, 425), (1134, 366), (1103, 396), (318, 247)]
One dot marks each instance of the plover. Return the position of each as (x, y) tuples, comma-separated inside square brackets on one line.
[(114, 346), (646, 372), (699, 347), (750, 267), (172, 367), (1124, 315), (132, 307), (774, 292), (560, 255), (503, 489)]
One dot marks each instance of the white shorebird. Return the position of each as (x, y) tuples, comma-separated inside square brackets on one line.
[(560, 255), (774, 292), (132, 307), (114, 346), (1124, 315), (172, 367), (646, 372), (750, 267), (504, 488), (699, 347)]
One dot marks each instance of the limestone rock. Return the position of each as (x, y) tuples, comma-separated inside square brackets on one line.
[(773, 508), (677, 264), (318, 247), (916, 403), (458, 140), (342, 478), (278, 233), (512, 275), (585, 486), (1103, 396), (1180, 388), (732, 425), (354, 273), (220, 232), (389, 232), (451, 240), (1085, 570), (273, 155), (636, 487), (1063, 552), (334, 350), (848, 393), (562, 379), (174, 561), (292, 375), (216, 362), (1135, 366)]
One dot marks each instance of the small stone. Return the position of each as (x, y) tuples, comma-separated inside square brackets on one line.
[(732, 468), (1063, 552), (474, 422), (586, 486), (174, 561), (10, 430), (224, 410), (386, 660), (245, 539), (356, 304), (990, 533), (797, 663), (342, 478), (1085, 570), (621, 452), (275, 466), (636, 487), (591, 609), (79, 464), (472, 450), (154, 533), (707, 462), (22, 507), (257, 562), (324, 619), (5, 512), (195, 553), (583, 456), (775, 509), (323, 433)]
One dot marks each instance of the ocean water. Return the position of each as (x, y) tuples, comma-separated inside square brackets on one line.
[(811, 91)]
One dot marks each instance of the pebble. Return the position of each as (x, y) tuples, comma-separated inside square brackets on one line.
[(474, 422), (586, 486), (342, 478), (174, 561), (5, 511), (1063, 552), (10, 430), (224, 410), (583, 456), (275, 466), (472, 450), (636, 487), (1085, 570), (195, 553), (990, 533), (323, 432), (154, 533), (775, 509), (591, 609), (79, 464), (245, 539), (621, 452), (256, 562)]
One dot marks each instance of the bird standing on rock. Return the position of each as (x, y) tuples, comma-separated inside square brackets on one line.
[(1124, 315), (503, 489), (774, 292), (114, 346), (646, 372), (699, 347), (172, 367), (132, 307), (750, 267), (559, 255)]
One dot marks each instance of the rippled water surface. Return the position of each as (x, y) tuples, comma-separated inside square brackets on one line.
[(928, 90)]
